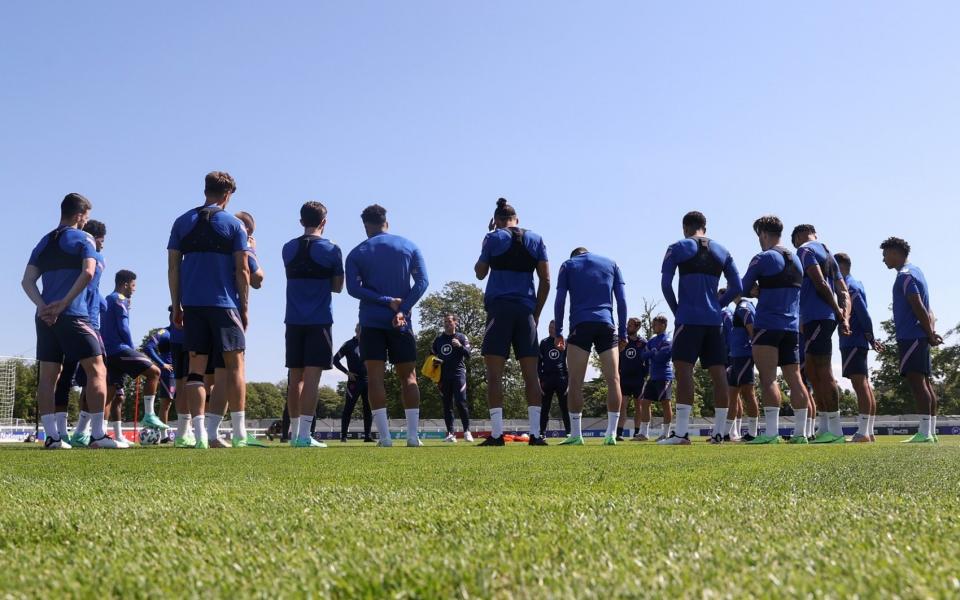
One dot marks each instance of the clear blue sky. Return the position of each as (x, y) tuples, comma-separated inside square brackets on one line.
[(601, 122)]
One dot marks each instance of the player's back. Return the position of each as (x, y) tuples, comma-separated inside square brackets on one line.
[(700, 261), (590, 280), (384, 264), (207, 238)]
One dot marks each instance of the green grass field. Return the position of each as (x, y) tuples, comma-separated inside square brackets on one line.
[(358, 521)]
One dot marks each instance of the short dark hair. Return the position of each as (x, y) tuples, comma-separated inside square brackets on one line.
[(124, 276), (247, 219), (695, 220), (660, 319), (578, 251), (896, 244), (803, 229), (374, 215), (74, 204), (218, 183), (843, 258), (95, 228), (634, 320), (451, 314), (312, 214), (768, 224)]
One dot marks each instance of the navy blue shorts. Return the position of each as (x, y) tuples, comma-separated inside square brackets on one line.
[(212, 329), (657, 391), (631, 387), (168, 385), (181, 361), (914, 356), (787, 344), (126, 362), (854, 361), (309, 346), (818, 337), (703, 342), (587, 336), (71, 338), (740, 372), (397, 346), (510, 324)]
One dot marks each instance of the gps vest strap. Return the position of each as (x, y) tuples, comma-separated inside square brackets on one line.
[(703, 262), (203, 237), (302, 266), (55, 258), (789, 277), (517, 257)]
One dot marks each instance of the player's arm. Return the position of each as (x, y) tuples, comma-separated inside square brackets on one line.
[(123, 324), (748, 322), (242, 276), (925, 318), (50, 313), (339, 365), (861, 314), (815, 273), (31, 275), (336, 282), (355, 284), (418, 271), (150, 349), (620, 294), (482, 268), (752, 274), (256, 272), (666, 280), (543, 288), (560, 305), (174, 258), (734, 285)]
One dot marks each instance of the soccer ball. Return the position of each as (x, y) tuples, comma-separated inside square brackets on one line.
[(149, 436)]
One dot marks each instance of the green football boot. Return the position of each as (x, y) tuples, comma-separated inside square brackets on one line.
[(79, 439), (798, 439), (610, 441), (572, 441), (765, 439), (920, 438), (153, 422), (202, 444), (253, 442)]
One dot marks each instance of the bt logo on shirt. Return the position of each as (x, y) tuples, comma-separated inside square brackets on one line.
[(446, 349), (554, 354), (631, 353)]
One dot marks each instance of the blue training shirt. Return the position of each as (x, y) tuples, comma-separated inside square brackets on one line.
[(57, 277), (699, 303), (861, 325), (778, 309), (513, 286), (735, 321), (910, 280), (115, 324), (454, 359), (657, 354), (209, 278), (593, 282), (158, 347), (94, 297), (309, 300), (812, 306), (378, 270)]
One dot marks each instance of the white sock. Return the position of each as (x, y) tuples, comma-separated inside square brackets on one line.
[(731, 428), (933, 424), (383, 426), (822, 422), (683, 419), (737, 426), (117, 428), (612, 419), (771, 419), (719, 421), (811, 426), (213, 425), (833, 423), (96, 426), (800, 422), (199, 433), (870, 423), (924, 425), (665, 429), (644, 427), (83, 422), (183, 422), (863, 425), (238, 420), (413, 423), (62, 425), (306, 422), (496, 418), (576, 424), (148, 405), (533, 413), (753, 424), (295, 427), (50, 426)]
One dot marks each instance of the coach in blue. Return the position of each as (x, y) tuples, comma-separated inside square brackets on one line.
[(453, 349), (314, 270), (64, 261), (379, 273), (552, 370), (209, 278), (510, 255), (698, 332)]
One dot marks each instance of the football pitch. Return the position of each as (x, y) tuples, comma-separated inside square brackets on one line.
[(437, 522)]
